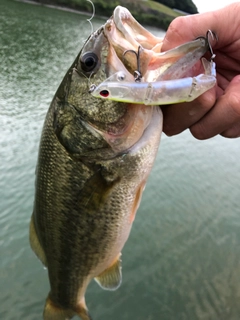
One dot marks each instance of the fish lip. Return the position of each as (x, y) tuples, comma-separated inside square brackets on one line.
[(124, 33), (132, 30)]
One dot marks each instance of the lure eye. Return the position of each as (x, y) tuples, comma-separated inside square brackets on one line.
[(104, 93), (88, 61)]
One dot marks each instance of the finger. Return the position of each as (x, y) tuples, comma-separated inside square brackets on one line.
[(224, 117), (179, 117), (222, 83)]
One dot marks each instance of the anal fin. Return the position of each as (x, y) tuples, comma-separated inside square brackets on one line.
[(111, 278)]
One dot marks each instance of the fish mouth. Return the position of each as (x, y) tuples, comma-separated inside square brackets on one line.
[(124, 45), (139, 50)]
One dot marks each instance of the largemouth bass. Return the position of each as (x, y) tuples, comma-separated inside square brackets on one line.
[(94, 160)]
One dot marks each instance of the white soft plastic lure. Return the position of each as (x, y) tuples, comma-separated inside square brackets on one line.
[(118, 88)]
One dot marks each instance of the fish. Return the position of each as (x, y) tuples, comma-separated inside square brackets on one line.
[(94, 160)]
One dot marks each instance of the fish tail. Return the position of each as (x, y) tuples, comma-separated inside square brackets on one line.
[(54, 312)]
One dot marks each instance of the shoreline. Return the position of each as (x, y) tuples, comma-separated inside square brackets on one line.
[(143, 15), (52, 6)]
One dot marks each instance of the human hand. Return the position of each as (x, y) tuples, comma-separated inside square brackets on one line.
[(218, 110)]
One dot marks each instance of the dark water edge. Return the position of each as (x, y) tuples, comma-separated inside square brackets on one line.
[(182, 260), (58, 7), (142, 13)]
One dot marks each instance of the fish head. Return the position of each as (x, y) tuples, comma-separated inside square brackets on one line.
[(114, 47), (115, 44), (123, 45), (120, 125)]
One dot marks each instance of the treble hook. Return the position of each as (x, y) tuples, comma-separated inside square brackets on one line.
[(214, 37), (137, 73)]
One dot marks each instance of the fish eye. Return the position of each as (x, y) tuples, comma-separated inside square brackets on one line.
[(88, 61)]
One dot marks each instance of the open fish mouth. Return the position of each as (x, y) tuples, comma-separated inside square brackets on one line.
[(137, 72), (137, 54), (139, 50), (126, 36)]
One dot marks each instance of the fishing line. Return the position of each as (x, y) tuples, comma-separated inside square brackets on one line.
[(90, 86), (93, 14)]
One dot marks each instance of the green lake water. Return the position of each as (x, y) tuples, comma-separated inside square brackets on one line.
[(182, 260)]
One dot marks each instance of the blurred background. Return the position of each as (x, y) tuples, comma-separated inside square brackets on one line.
[(182, 260)]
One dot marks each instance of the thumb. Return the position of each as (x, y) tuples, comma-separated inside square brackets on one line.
[(179, 32)]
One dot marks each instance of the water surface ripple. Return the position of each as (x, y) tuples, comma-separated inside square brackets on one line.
[(182, 260)]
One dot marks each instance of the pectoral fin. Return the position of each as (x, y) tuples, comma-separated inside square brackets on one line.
[(35, 244), (137, 200), (111, 278)]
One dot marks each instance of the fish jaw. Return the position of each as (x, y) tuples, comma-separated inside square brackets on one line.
[(124, 124), (180, 62), (126, 36), (132, 31)]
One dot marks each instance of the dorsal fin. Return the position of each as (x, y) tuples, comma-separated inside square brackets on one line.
[(111, 278)]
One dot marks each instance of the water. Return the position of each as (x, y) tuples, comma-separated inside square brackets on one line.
[(182, 260)]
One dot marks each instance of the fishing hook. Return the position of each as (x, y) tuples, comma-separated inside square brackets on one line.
[(137, 73), (213, 37)]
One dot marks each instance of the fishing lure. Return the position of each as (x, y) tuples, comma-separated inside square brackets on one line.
[(121, 87), (158, 92)]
